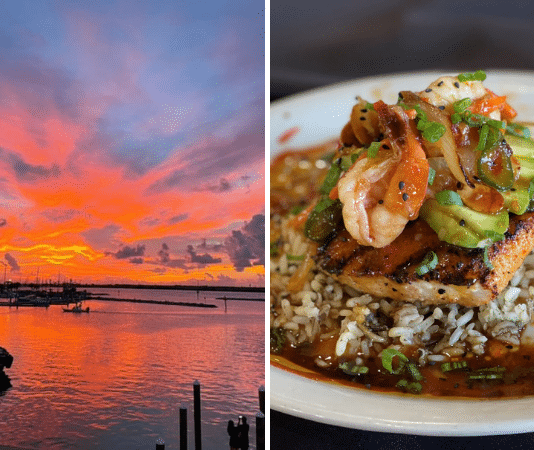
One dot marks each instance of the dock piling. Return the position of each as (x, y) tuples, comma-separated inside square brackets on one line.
[(260, 431), (261, 395), (160, 445), (183, 428), (196, 413)]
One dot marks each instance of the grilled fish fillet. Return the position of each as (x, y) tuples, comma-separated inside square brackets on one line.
[(461, 275)]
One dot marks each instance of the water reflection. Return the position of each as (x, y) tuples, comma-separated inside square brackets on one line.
[(116, 377)]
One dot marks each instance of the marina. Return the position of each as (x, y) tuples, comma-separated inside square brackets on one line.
[(129, 366)]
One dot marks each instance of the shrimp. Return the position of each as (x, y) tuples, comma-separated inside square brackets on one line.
[(446, 90), (381, 194)]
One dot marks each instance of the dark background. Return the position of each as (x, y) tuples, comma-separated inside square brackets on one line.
[(320, 42)]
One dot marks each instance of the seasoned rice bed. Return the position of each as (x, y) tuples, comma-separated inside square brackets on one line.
[(363, 325)]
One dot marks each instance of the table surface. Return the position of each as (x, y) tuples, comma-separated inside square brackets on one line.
[(288, 432)]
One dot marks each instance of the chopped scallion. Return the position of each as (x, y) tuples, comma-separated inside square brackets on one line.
[(430, 262), (482, 137), (518, 130), (454, 365), (295, 257), (370, 106), (351, 368), (487, 261), (331, 179), (431, 176), (462, 105), (373, 149), (387, 360), (456, 118), (414, 371), (479, 75), (433, 131), (297, 209)]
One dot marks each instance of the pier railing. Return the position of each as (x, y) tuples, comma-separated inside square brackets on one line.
[(260, 422)]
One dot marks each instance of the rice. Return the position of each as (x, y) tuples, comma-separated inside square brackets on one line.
[(363, 325)]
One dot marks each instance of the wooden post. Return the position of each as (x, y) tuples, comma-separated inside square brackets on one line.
[(261, 394), (183, 428), (260, 431), (225, 303), (196, 413), (160, 445)]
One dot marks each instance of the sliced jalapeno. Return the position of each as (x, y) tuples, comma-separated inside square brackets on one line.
[(323, 219), (495, 167)]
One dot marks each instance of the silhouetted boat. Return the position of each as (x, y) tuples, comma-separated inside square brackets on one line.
[(77, 309)]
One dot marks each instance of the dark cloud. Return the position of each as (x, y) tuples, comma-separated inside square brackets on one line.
[(176, 178), (166, 260), (102, 238), (202, 162), (201, 259), (60, 215), (28, 172), (136, 261), (223, 186), (130, 252), (210, 247), (3, 222), (12, 262), (246, 246), (178, 218)]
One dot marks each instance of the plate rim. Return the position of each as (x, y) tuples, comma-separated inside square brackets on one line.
[(493, 416)]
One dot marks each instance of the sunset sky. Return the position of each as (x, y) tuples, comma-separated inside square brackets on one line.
[(132, 141)]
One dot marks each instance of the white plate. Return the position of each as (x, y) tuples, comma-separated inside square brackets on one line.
[(319, 115)]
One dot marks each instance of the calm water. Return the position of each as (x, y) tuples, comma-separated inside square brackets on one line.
[(115, 378)]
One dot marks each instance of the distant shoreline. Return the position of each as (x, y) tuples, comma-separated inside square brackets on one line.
[(176, 287)]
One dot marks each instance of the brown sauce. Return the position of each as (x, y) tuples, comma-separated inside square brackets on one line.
[(517, 381)]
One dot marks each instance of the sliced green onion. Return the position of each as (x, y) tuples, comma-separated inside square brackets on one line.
[(370, 106), (448, 197), (351, 368), (487, 261), (414, 371), (346, 162), (274, 248), (456, 118), (431, 176), (278, 339), (462, 105), (331, 179), (295, 257), (373, 149), (430, 262), (387, 360), (479, 75), (297, 210), (415, 387), (454, 365), (483, 136), (518, 130), (433, 131)]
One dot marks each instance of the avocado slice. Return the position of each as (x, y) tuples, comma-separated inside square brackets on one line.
[(462, 226), (523, 150), (517, 199)]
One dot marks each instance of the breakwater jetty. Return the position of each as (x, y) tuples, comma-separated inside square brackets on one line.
[(152, 302)]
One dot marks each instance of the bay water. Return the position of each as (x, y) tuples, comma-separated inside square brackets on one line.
[(115, 378)]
